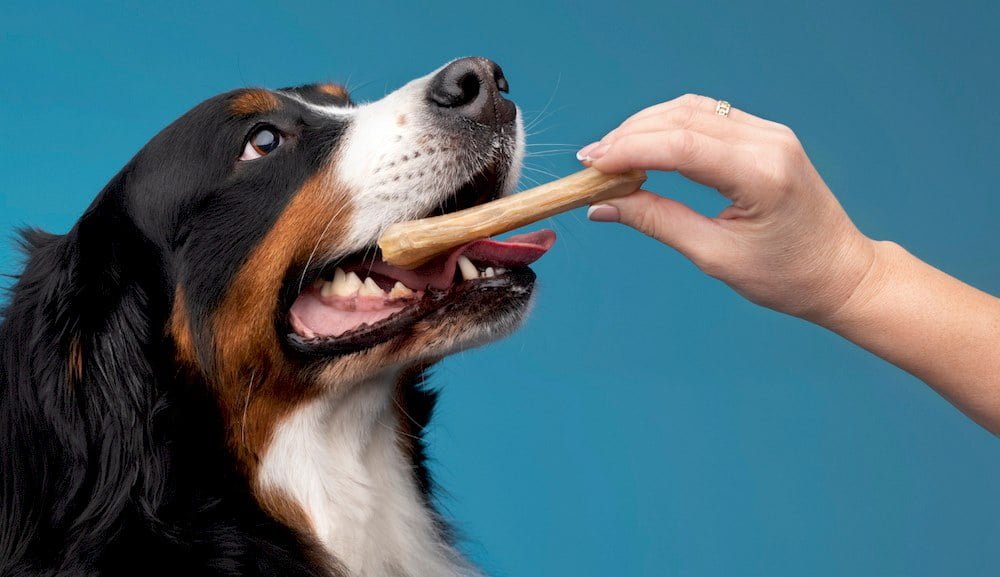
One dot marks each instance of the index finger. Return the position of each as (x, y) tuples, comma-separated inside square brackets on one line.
[(702, 158)]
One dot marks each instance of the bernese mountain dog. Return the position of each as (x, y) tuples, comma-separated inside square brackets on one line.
[(214, 372)]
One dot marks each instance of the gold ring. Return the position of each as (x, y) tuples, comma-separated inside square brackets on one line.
[(723, 108)]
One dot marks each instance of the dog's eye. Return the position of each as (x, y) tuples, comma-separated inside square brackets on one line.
[(261, 143)]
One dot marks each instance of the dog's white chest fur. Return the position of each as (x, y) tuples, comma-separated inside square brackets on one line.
[(340, 460)]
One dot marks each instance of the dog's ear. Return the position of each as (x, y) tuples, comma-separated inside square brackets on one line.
[(78, 394)]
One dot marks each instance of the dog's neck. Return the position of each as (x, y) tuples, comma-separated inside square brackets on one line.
[(341, 460)]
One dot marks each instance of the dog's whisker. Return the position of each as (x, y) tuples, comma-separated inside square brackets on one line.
[(398, 431), (541, 171), (305, 269), (530, 180), (533, 181), (538, 122), (548, 103), (246, 407), (542, 131), (549, 150), (407, 415), (567, 144), (530, 130), (549, 154)]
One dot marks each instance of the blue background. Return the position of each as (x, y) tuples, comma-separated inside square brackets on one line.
[(647, 421)]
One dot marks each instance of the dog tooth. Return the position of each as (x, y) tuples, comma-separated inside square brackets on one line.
[(489, 272), (370, 289), (353, 284), (500, 270), (327, 290), (399, 290), (469, 270), (340, 287)]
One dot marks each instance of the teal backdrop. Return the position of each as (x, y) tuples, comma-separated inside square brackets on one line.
[(646, 421)]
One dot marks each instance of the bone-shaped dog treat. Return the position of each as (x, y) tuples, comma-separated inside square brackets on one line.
[(411, 244)]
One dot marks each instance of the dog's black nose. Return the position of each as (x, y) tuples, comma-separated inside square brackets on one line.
[(470, 88)]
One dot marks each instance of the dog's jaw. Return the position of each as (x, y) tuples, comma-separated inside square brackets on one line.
[(342, 460)]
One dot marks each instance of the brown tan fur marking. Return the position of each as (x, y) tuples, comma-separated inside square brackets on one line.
[(256, 385), (254, 101), (180, 329), (333, 90), (75, 368), (282, 507)]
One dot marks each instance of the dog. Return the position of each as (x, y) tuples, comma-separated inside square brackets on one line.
[(214, 372)]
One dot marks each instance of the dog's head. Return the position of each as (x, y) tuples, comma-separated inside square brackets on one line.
[(245, 232), (266, 207)]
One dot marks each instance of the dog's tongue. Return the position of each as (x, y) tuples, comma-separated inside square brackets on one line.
[(518, 250)]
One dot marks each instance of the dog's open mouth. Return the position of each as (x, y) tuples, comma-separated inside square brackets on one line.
[(362, 302)]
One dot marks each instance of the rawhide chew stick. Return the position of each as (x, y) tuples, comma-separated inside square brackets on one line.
[(411, 244)]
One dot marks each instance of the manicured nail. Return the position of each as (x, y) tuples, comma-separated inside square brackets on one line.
[(603, 213), (582, 155), (598, 151)]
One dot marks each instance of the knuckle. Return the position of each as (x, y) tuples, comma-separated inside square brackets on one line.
[(692, 100), (782, 160), (646, 220), (682, 117), (786, 131), (681, 144), (790, 144), (794, 157), (787, 141), (778, 172)]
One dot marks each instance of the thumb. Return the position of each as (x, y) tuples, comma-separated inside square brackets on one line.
[(671, 222)]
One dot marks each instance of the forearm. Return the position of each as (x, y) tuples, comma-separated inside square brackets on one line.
[(930, 324)]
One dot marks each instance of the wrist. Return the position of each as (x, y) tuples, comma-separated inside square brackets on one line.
[(882, 261)]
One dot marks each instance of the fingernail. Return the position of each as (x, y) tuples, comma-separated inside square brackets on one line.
[(603, 213), (582, 154), (598, 151)]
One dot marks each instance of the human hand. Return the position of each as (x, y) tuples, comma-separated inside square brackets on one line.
[(784, 242)]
